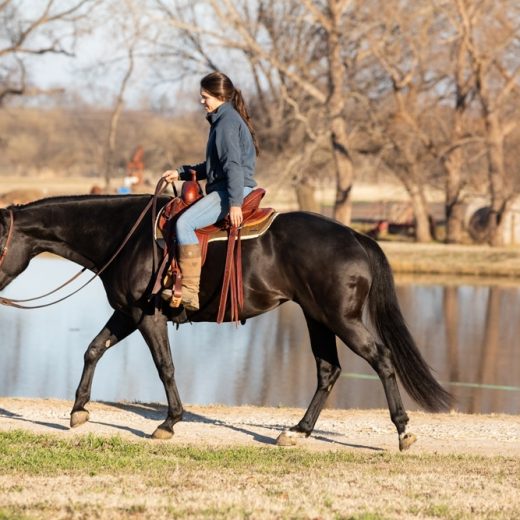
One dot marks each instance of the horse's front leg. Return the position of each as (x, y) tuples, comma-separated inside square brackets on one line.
[(155, 333), (118, 327)]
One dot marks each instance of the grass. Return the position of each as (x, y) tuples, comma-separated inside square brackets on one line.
[(43, 476), (46, 455)]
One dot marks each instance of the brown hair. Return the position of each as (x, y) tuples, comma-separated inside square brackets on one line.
[(220, 86)]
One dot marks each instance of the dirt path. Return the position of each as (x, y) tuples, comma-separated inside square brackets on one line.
[(216, 426)]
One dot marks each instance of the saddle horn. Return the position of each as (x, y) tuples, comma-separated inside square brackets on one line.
[(191, 190)]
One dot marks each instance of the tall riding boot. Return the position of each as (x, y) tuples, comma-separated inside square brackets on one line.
[(190, 264)]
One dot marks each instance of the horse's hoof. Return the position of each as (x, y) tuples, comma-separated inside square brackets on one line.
[(78, 418), (406, 440), (161, 434), (288, 438)]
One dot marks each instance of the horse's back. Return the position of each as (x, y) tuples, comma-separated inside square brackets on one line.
[(299, 233)]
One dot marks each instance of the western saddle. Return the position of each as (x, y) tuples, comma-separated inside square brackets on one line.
[(255, 222)]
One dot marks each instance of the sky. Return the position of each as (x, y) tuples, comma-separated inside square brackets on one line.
[(98, 85), (84, 72)]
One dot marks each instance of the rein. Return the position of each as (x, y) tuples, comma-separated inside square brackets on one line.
[(161, 185)]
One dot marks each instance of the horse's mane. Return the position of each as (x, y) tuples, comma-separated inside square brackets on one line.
[(74, 198)]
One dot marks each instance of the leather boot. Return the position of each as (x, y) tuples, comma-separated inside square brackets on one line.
[(190, 264)]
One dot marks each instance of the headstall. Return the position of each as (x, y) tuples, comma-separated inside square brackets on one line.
[(4, 250)]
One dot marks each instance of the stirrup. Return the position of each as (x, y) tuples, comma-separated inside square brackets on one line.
[(166, 294), (174, 301)]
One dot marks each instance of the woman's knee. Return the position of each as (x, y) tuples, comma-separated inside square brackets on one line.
[(185, 230)]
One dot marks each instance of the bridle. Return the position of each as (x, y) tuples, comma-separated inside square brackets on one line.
[(4, 250), (161, 185)]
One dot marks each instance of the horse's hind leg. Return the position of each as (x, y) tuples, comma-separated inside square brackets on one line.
[(323, 343), (355, 335), (118, 327)]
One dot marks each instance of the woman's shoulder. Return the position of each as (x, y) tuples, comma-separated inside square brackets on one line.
[(231, 118), (230, 112)]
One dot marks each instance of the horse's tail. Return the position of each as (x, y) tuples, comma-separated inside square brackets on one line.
[(385, 315)]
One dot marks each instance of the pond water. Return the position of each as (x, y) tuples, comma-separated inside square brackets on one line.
[(467, 332)]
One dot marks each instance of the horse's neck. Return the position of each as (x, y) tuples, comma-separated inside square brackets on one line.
[(75, 230)]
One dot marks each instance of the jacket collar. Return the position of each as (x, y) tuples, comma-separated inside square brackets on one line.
[(214, 116)]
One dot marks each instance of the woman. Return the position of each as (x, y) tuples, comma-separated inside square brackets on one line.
[(229, 169)]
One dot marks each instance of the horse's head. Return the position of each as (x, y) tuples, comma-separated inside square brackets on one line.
[(14, 250)]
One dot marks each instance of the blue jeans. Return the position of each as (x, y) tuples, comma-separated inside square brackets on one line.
[(208, 210)]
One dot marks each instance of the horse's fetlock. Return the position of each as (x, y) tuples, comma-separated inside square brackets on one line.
[(301, 428), (176, 417), (400, 421)]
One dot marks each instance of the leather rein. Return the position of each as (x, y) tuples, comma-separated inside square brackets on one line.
[(161, 185)]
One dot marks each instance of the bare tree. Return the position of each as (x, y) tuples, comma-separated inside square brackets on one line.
[(296, 55), (452, 155), (491, 33), (50, 27), (116, 115), (331, 19), (400, 111), (442, 61), (125, 48)]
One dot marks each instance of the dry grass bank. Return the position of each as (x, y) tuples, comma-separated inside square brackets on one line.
[(454, 260)]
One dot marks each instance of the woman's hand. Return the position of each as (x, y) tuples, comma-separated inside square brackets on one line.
[(170, 175), (235, 215)]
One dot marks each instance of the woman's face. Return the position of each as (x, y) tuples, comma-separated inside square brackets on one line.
[(209, 102)]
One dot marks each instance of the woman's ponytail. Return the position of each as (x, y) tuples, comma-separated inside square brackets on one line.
[(239, 105)]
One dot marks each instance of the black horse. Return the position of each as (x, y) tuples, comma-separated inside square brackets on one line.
[(330, 270)]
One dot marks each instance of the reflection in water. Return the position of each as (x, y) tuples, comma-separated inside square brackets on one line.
[(467, 333)]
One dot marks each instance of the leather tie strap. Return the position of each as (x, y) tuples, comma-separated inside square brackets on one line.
[(230, 284)]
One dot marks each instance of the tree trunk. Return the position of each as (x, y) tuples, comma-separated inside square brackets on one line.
[(419, 205), (338, 126), (453, 161), (344, 174), (454, 208), (422, 220), (495, 151), (305, 193)]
